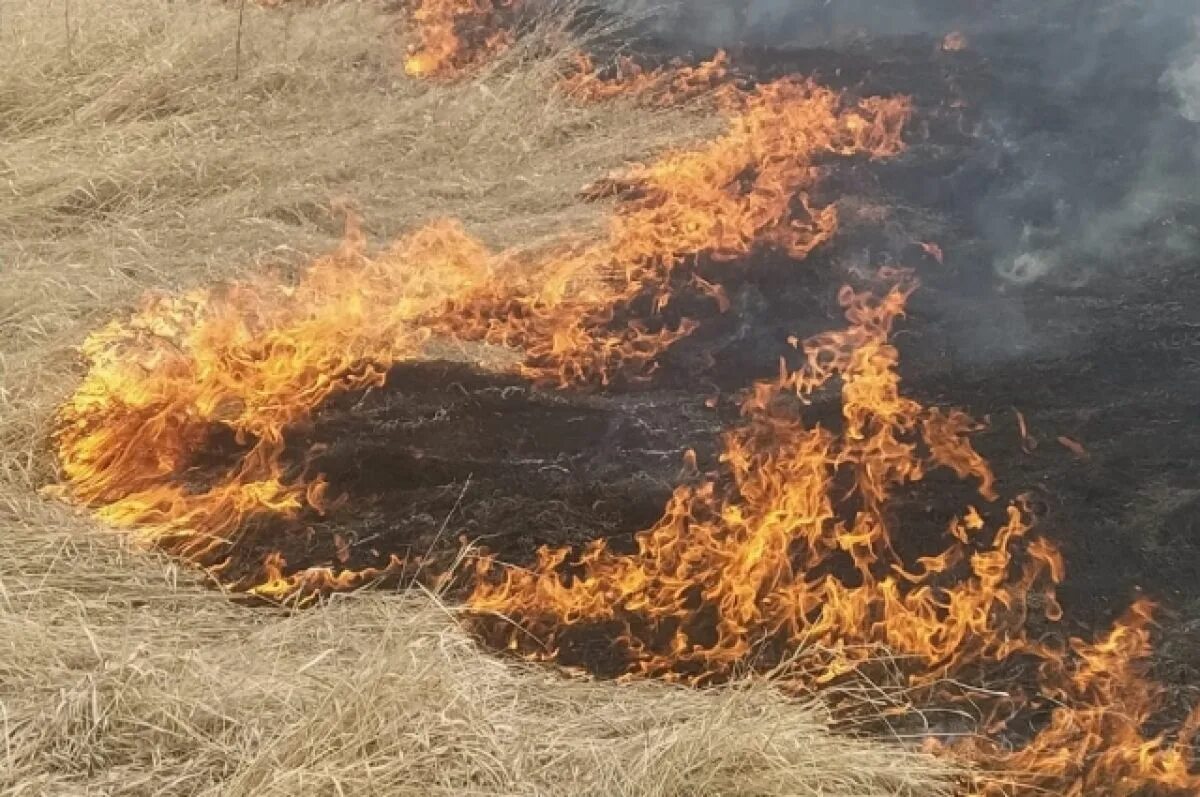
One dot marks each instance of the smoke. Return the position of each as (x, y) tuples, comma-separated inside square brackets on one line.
[(805, 23), (1094, 122), (1184, 79), (1110, 184)]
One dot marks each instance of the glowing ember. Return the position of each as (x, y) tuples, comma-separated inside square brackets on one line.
[(1028, 441), (1074, 446)]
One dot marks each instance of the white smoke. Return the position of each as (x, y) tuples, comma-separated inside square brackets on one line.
[(1027, 267), (1063, 209), (1168, 173), (1184, 79)]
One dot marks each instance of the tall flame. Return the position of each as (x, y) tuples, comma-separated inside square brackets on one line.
[(788, 562), (798, 548)]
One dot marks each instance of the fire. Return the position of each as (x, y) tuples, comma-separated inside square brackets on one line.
[(796, 556), (453, 35), (665, 86), (256, 359), (789, 561), (793, 550), (746, 189), (1094, 741)]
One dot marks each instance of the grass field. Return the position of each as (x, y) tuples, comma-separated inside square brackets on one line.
[(131, 159)]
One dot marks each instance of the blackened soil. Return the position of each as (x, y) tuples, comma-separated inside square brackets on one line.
[(446, 453)]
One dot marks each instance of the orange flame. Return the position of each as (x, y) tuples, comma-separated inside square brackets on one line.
[(746, 189), (256, 358), (1095, 740), (662, 87), (790, 556), (443, 46), (777, 558), (792, 566)]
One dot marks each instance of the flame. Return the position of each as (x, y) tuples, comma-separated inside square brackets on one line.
[(1094, 741), (662, 87), (787, 561), (747, 189), (452, 36), (254, 360), (795, 556), (257, 358), (797, 549)]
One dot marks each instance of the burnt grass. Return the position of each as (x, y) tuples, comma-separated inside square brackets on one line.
[(1104, 351)]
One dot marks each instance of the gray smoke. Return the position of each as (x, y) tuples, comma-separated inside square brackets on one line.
[(1104, 208), (1184, 79), (1103, 162), (800, 23)]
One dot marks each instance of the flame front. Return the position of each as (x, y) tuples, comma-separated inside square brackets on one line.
[(789, 558), (747, 189), (798, 549), (662, 87), (258, 357)]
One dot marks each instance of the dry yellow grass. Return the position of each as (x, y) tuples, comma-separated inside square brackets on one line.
[(130, 160)]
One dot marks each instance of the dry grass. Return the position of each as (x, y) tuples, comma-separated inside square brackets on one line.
[(131, 160), (116, 680)]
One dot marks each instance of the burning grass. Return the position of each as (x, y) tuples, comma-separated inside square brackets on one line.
[(787, 555), (140, 163), (133, 160)]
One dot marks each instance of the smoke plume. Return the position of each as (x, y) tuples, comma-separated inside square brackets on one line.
[(1095, 126)]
